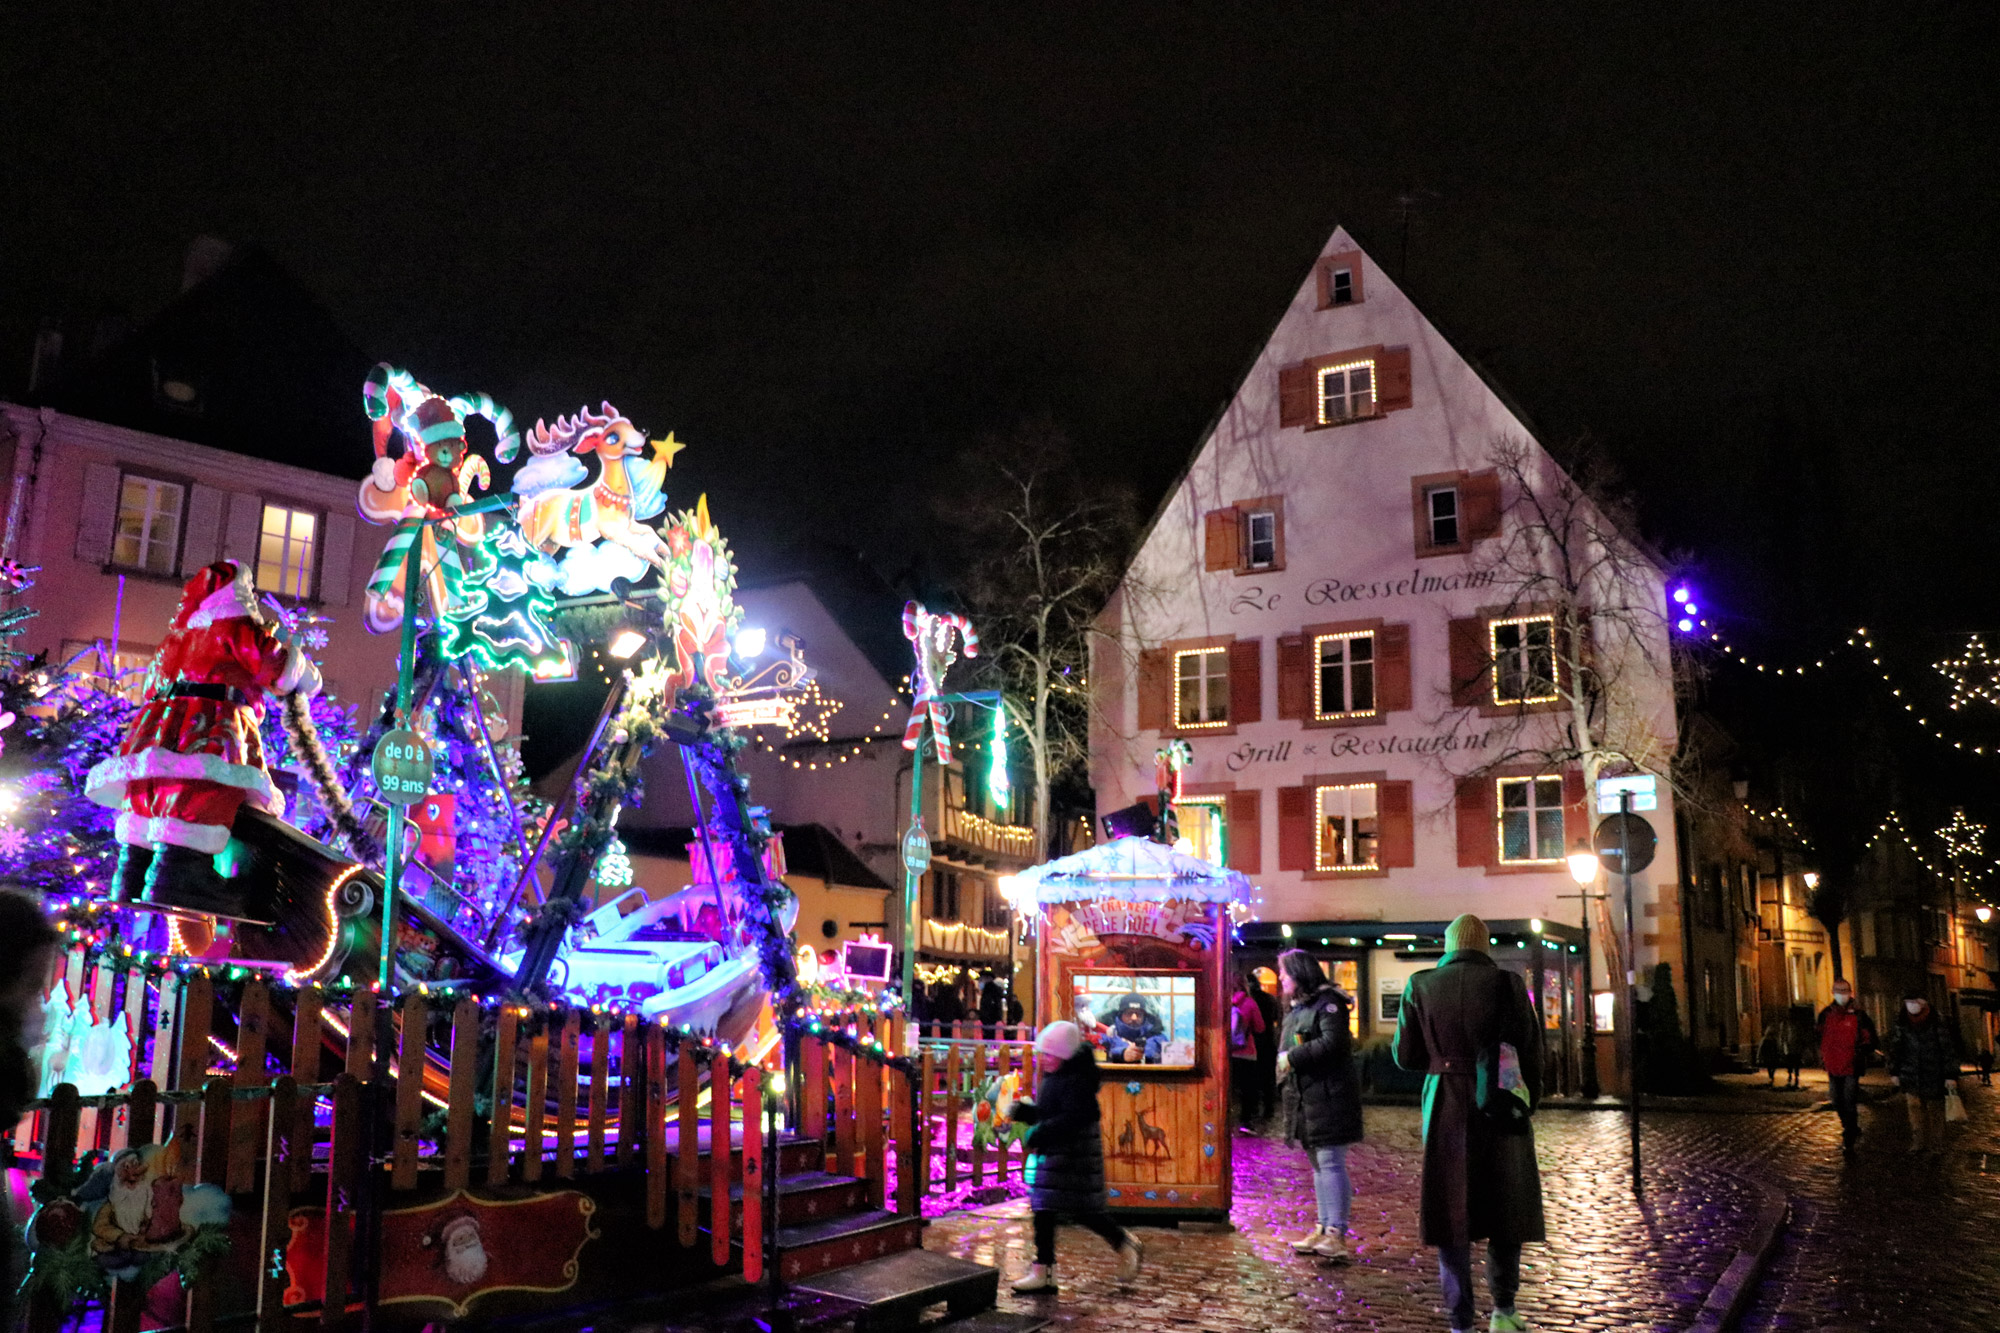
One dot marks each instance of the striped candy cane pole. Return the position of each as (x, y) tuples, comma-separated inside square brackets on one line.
[(381, 604)]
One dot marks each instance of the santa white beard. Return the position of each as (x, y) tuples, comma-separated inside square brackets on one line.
[(128, 1205), (465, 1260)]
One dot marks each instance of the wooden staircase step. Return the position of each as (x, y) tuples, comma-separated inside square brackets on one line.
[(805, 1196), (891, 1293), (815, 1247)]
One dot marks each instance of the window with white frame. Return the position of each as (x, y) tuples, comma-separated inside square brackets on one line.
[(1349, 834), (1345, 685), (1201, 687), (1346, 392), (1202, 828), (1260, 539), (285, 550), (122, 672), (1524, 660), (1441, 510), (1531, 820), (1340, 286), (148, 535)]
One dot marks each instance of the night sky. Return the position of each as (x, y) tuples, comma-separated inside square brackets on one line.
[(831, 246)]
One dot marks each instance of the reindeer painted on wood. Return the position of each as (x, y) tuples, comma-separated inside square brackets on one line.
[(1154, 1136)]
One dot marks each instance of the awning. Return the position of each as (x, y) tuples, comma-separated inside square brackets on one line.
[(1132, 870)]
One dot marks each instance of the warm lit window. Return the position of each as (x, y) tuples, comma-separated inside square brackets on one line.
[(1524, 660), (1345, 685), (1201, 687), (1202, 828), (1531, 820), (1441, 509), (285, 551), (1346, 392), (1349, 835), (149, 524), (1260, 539)]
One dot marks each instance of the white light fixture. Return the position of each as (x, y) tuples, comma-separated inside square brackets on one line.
[(749, 642), (1984, 913), (1583, 866), (624, 643), (1535, 925), (1811, 877)]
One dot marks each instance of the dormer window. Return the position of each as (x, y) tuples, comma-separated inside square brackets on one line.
[(1340, 280)]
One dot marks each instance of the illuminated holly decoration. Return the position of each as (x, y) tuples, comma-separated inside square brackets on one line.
[(614, 868), (1974, 675)]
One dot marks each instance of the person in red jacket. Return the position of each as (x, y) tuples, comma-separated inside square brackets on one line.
[(192, 755), (1846, 1035)]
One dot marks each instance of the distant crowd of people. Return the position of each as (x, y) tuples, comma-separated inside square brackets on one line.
[(965, 997)]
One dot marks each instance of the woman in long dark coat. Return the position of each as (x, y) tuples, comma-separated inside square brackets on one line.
[(1322, 1095), (1480, 1180), (1066, 1155)]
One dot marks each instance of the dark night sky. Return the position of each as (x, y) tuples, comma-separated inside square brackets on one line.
[(831, 245)]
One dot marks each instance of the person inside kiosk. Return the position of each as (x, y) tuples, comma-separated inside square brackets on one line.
[(1136, 1033)]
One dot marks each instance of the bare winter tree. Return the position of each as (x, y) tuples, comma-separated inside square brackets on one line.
[(1048, 547)]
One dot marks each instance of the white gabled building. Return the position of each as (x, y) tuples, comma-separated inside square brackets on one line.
[(1329, 608)]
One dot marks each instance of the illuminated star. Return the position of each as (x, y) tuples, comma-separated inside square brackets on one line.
[(1974, 675), (1961, 837), (664, 450)]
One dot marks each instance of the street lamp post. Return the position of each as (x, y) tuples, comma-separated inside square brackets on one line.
[(1583, 868)]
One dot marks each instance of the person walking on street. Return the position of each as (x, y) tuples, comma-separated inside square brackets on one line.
[(992, 1005), (1322, 1093), (1923, 1062), (1469, 1028), (1798, 1031), (1267, 1046), (1246, 1024), (1066, 1155), (1770, 1051), (1846, 1036)]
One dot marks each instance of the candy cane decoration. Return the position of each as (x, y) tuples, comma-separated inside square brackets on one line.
[(931, 635)]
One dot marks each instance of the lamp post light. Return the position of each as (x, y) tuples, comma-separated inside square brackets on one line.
[(1583, 868)]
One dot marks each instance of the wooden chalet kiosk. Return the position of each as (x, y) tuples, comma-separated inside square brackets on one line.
[(1134, 944)]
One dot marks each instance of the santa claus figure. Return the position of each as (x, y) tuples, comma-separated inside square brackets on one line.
[(193, 754)]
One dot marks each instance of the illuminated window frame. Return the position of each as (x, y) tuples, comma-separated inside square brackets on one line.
[(1320, 712), (1493, 629), (1203, 677), (138, 549), (1532, 810), (291, 572), (1220, 805), (1320, 863), (1354, 405)]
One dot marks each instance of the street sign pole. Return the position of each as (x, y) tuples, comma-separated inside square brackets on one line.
[(1631, 983)]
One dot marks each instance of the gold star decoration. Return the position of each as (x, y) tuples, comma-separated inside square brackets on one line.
[(664, 450), (1961, 837), (1974, 675)]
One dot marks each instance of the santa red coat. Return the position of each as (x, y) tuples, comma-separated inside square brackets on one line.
[(189, 761)]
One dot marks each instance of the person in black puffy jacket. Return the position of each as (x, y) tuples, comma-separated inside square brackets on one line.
[(1322, 1093), (1923, 1062), (1066, 1155)]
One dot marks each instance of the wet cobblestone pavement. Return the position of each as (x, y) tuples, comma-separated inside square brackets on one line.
[(1882, 1242)]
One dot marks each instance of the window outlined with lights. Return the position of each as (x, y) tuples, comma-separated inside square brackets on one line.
[(1344, 392), (1344, 675), (1201, 688), (1530, 821), (1523, 650), (1347, 827), (1204, 824)]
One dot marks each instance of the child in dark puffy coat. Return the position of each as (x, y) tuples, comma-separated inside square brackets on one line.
[(1066, 1155)]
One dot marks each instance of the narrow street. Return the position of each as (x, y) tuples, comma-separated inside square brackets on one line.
[(1882, 1242)]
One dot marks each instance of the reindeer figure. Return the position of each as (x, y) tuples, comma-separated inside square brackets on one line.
[(1125, 1139), (1154, 1135)]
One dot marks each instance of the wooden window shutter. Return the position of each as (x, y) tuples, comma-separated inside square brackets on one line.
[(1467, 641), (1477, 838), (1243, 825), (1295, 828), (1295, 396), (1222, 530), (100, 513), (1576, 808), (239, 538), (1479, 505), (1392, 375), (1392, 669), (1398, 824), (1246, 681), (1294, 677), (336, 560), (203, 533), (1156, 686)]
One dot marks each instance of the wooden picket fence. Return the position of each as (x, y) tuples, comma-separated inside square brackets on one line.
[(953, 1070), (615, 1110)]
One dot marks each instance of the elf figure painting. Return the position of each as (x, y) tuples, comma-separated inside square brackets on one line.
[(193, 756)]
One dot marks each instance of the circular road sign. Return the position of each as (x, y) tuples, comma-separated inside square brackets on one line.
[(402, 767), (917, 849), (1621, 835)]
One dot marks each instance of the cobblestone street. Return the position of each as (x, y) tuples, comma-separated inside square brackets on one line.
[(1885, 1241)]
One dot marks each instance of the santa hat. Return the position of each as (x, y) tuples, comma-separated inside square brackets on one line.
[(439, 1237), (220, 591), (436, 421)]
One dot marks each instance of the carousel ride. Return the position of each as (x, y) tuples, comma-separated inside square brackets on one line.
[(474, 578)]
